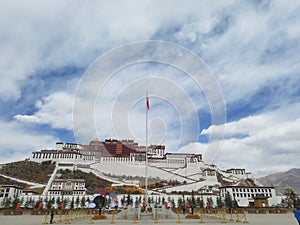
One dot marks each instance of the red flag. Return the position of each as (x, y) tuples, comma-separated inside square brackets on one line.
[(147, 102)]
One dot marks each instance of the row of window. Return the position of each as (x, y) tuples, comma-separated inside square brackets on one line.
[(251, 190), (74, 188), (61, 183), (60, 156), (180, 161), (66, 193), (250, 195)]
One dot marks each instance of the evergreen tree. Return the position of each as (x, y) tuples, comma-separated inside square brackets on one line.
[(123, 200), (169, 199), (180, 203), (48, 203), (128, 200), (7, 203), (201, 204), (53, 201), (77, 202), (193, 202), (228, 200), (82, 201), (220, 203), (173, 203), (15, 201), (58, 202), (72, 203), (211, 201)]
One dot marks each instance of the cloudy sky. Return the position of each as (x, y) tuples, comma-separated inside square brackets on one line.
[(222, 77)]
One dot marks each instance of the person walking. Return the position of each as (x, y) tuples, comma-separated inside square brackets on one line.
[(51, 215), (297, 214)]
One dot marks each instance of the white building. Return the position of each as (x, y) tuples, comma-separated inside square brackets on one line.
[(67, 187), (68, 155), (239, 172), (245, 194), (10, 191)]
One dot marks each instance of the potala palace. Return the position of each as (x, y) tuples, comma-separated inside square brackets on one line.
[(112, 158)]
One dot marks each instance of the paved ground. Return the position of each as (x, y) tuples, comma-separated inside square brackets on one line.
[(265, 219)]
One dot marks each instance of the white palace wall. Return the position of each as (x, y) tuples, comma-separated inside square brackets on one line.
[(166, 171)]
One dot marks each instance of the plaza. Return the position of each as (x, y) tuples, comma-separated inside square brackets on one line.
[(257, 219)]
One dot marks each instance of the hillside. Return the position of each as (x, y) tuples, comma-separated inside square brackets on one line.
[(40, 173), (280, 180), (6, 181), (29, 171)]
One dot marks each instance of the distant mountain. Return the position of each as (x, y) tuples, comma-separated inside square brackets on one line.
[(280, 180)]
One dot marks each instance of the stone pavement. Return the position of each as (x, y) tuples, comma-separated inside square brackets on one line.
[(256, 219)]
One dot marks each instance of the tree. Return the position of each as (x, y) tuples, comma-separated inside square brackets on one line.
[(72, 203), (53, 201), (173, 203), (220, 203), (228, 200), (77, 202), (15, 202), (180, 203), (200, 202), (193, 202), (58, 202), (123, 200), (7, 202), (48, 203), (83, 201), (128, 199)]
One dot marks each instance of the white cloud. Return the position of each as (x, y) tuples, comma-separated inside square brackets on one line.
[(262, 144), (249, 46), (17, 143), (57, 33), (54, 110)]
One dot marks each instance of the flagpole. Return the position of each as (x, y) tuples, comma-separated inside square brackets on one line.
[(146, 153)]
